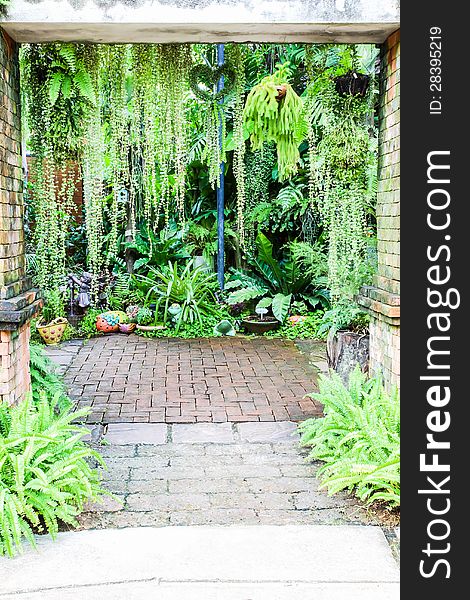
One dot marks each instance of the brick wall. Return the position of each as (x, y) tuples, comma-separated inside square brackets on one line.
[(15, 379), (12, 265), (17, 301), (382, 299)]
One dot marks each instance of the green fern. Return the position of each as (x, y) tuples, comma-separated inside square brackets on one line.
[(358, 438), (45, 379), (45, 472)]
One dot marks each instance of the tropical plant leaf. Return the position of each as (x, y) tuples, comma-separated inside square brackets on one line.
[(54, 86), (280, 306)]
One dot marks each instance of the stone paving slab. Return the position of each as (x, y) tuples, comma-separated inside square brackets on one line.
[(218, 591), (220, 433), (269, 432), (214, 474), (127, 379), (206, 556), (136, 433)]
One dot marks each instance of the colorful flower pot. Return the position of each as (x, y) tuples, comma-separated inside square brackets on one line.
[(52, 332), (109, 322)]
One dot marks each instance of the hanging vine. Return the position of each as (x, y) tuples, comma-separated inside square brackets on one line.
[(93, 173), (344, 151), (60, 96), (172, 64), (259, 166), (118, 139), (143, 192), (237, 54)]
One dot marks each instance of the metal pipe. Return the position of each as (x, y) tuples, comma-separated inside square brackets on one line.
[(221, 183)]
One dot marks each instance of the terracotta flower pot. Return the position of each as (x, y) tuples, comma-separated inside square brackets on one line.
[(52, 332)]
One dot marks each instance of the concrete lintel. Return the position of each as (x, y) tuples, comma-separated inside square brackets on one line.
[(374, 33)]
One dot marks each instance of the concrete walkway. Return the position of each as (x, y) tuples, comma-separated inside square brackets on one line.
[(205, 563)]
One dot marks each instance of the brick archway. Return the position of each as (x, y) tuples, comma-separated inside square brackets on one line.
[(19, 302)]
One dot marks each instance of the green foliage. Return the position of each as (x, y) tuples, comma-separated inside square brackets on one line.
[(45, 475), (144, 316), (157, 249), (342, 160), (87, 326), (237, 54), (306, 329), (282, 280), (54, 305), (4, 4), (184, 295), (310, 258), (346, 316), (60, 97), (358, 438), (269, 119), (45, 380), (285, 212)]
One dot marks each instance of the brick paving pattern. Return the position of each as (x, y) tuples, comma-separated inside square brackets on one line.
[(215, 474), (129, 379)]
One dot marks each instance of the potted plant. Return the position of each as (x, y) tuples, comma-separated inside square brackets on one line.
[(348, 338), (352, 83), (52, 324), (145, 318), (260, 322)]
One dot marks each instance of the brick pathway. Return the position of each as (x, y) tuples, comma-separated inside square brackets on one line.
[(214, 474), (133, 379)]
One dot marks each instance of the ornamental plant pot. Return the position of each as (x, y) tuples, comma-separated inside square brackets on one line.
[(53, 332), (126, 327), (254, 324), (108, 322), (352, 83), (345, 350)]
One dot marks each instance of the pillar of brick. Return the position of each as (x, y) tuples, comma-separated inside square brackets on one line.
[(382, 299), (18, 301)]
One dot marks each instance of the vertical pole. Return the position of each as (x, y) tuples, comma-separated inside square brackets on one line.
[(220, 187)]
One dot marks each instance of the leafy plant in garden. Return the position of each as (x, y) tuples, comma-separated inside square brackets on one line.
[(358, 438), (157, 249), (203, 240), (306, 328), (45, 473), (45, 380), (272, 117), (276, 282), (184, 295)]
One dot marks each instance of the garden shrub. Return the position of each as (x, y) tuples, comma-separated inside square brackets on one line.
[(45, 472), (358, 438), (44, 379)]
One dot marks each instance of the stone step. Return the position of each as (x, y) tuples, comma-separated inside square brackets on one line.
[(324, 562)]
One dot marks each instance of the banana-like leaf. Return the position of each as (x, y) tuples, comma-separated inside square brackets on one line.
[(280, 306)]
